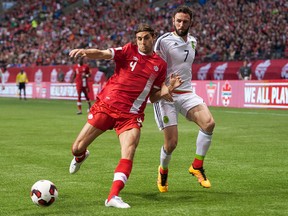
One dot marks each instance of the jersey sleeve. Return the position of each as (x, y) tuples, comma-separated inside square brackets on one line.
[(161, 77), (120, 53), (160, 47)]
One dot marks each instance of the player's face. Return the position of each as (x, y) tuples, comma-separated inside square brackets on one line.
[(182, 23), (145, 42)]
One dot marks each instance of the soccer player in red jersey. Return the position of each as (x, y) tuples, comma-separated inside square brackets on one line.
[(80, 76), (139, 73)]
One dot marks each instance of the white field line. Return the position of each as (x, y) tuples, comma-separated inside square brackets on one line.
[(253, 113)]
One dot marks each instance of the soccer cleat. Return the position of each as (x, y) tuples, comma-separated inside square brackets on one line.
[(75, 166), (79, 112), (200, 175), (116, 202), (162, 181)]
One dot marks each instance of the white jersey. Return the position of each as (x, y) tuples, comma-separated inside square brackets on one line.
[(179, 56)]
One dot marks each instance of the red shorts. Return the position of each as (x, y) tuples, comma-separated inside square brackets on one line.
[(105, 117), (81, 89)]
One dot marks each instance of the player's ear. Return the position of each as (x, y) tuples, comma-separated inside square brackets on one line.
[(154, 36)]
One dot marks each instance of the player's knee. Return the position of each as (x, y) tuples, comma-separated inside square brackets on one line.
[(77, 149), (209, 126), (171, 145)]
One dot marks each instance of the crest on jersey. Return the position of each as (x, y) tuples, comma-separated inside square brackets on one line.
[(193, 44), (156, 68), (90, 116)]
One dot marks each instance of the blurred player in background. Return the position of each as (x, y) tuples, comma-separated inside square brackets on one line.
[(178, 49), (81, 73), (139, 72), (2, 71), (21, 80)]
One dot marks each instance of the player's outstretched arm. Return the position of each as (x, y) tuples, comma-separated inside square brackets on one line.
[(91, 53), (166, 91)]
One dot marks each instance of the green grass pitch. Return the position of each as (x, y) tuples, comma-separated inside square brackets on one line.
[(246, 164)]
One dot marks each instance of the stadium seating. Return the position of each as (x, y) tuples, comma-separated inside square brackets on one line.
[(36, 32)]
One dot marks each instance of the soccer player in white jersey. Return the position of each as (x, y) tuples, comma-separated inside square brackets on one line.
[(177, 48)]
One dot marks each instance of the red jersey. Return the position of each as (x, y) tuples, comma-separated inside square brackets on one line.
[(135, 75), (80, 72)]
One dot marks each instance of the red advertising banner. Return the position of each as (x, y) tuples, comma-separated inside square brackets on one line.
[(254, 94), (51, 74), (217, 83), (228, 93), (261, 70), (266, 95)]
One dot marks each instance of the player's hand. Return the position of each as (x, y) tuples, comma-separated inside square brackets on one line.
[(168, 97), (165, 93), (77, 53), (175, 81)]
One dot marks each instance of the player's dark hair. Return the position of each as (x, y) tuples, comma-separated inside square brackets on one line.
[(183, 9), (142, 27), (81, 61)]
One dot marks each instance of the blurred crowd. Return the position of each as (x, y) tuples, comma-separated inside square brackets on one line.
[(43, 32)]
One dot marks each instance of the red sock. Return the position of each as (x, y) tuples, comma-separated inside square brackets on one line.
[(162, 171), (80, 157), (121, 175), (197, 164)]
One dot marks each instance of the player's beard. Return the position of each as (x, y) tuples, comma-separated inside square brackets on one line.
[(181, 33)]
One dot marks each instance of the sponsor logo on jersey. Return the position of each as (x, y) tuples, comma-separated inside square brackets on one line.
[(135, 58)]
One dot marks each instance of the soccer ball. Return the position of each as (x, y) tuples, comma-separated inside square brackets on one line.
[(44, 193)]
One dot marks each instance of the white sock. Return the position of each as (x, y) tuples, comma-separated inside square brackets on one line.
[(164, 158), (203, 143)]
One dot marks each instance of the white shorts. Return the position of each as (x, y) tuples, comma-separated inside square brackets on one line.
[(166, 113)]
